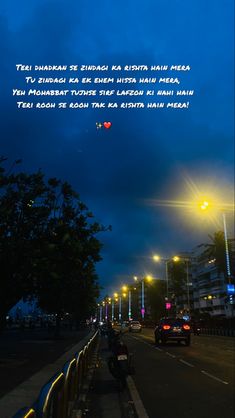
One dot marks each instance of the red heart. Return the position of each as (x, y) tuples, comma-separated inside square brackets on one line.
[(107, 125)]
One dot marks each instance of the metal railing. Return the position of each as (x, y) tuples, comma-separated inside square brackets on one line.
[(224, 332), (26, 413), (58, 396)]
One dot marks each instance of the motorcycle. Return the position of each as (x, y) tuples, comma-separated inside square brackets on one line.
[(119, 362), (197, 331)]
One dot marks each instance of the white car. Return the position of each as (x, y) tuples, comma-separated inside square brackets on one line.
[(135, 326)]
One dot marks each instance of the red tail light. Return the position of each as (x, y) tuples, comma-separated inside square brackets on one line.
[(166, 326), (187, 327)]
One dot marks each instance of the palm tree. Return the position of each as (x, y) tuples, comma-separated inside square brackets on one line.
[(216, 251)]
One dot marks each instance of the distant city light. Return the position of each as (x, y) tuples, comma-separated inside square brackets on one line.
[(230, 289)]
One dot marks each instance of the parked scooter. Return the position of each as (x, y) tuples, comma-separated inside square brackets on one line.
[(197, 331), (119, 362)]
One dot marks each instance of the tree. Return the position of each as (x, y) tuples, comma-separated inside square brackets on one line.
[(178, 278), (48, 245), (216, 250), (156, 299), (20, 225)]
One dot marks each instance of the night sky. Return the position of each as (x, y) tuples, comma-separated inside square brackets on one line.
[(147, 154)]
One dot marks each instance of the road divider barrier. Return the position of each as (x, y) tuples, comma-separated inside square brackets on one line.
[(59, 395), (224, 332)]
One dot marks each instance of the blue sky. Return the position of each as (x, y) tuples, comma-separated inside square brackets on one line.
[(146, 154)]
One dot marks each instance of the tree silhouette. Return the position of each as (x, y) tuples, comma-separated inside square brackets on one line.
[(216, 250), (48, 245)]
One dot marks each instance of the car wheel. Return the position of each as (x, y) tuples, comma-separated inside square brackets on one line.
[(188, 341)]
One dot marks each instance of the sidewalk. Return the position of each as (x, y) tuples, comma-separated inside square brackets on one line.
[(102, 398), (27, 392), (24, 353)]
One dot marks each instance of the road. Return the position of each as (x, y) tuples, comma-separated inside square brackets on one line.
[(179, 381)]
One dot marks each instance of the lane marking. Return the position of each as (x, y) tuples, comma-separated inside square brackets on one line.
[(139, 406), (187, 364), (171, 355), (214, 377)]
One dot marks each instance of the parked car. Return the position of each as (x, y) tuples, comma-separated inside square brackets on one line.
[(135, 326), (172, 329)]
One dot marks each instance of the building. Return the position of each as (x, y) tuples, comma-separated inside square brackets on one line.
[(209, 293)]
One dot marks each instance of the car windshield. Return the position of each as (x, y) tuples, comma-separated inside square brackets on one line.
[(135, 323)]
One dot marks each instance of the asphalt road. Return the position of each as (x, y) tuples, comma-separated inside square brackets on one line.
[(179, 381), (24, 353)]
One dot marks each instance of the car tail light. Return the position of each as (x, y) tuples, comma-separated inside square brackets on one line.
[(166, 326), (187, 327)]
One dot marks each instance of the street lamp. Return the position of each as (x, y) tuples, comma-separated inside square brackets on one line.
[(149, 279), (118, 298), (186, 260), (112, 309), (127, 289), (175, 259), (115, 299), (204, 206), (100, 313)]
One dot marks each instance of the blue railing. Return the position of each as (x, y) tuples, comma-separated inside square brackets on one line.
[(58, 396), (26, 413)]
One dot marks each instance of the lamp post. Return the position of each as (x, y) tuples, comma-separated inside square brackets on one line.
[(148, 278), (204, 206), (112, 308), (187, 276), (127, 289), (157, 258), (129, 304), (186, 260), (175, 259), (226, 247), (142, 299), (100, 313), (120, 308), (115, 299)]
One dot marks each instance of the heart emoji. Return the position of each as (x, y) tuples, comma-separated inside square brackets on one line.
[(107, 125)]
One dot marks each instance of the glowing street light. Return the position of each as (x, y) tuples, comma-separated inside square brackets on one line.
[(204, 205), (187, 260), (157, 258), (148, 278), (118, 298), (126, 289)]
